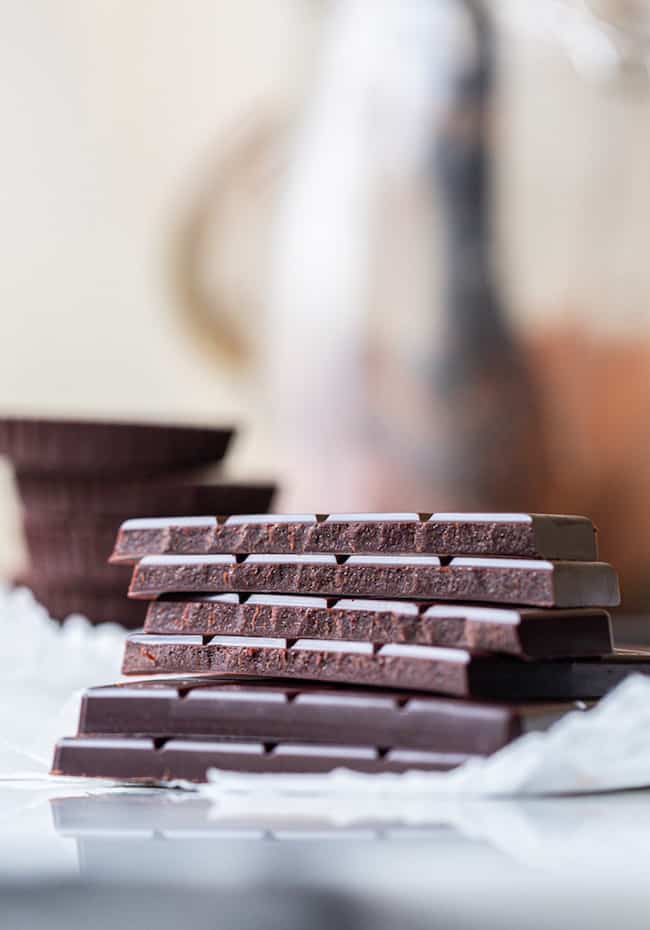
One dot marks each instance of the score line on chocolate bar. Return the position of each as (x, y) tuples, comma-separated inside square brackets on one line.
[(269, 711), (138, 760)]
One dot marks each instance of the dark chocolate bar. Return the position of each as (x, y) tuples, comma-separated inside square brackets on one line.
[(456, 672), (75, 446), (269, 712), (524, 535), (507, 581), (69, 497), (134, 759), (529, 633)]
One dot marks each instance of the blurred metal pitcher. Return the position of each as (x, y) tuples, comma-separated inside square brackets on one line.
[(392, 375)]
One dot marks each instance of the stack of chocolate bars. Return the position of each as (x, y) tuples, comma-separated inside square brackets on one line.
[(378, 642), (78, 481)]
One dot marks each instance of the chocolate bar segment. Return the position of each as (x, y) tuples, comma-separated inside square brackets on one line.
[(455, 672), (76, 446), (423, 668), (525, 632), (524, 535), (306, 712), (146, 760), (508, 581)]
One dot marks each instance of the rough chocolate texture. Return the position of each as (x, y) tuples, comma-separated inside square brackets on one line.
[(152, 658), (533, 634), (564, 584), (552, 537), (41, 445), (142, 760), (273, 711), (486, 677)]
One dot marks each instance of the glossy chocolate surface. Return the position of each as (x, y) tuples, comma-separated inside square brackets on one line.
[(269, 711), (134, 759)]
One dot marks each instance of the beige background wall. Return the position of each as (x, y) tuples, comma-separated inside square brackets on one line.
[(110, 111)]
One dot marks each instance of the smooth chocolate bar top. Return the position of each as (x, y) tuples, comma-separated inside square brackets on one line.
[(527, 632), (260, 710), (526, 535), (508, 581), (105, 447), (134, 759), (455, 672)]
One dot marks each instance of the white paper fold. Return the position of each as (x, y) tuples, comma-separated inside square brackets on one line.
[(44, 666)]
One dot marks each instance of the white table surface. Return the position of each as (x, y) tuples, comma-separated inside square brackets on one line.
[(567, 862)]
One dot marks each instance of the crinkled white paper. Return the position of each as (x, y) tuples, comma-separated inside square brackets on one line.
[(604, 749), (44, 667)]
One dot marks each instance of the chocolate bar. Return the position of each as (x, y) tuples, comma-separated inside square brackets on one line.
[(456, 672), (68, 497), (268, 712), (73, 446), (525, 632), (140, 760), (519, 534), (507, 581)]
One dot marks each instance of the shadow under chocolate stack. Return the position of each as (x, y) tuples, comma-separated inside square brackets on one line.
[(78, 481)]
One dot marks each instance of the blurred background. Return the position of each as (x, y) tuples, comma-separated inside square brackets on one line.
[(401, 243)]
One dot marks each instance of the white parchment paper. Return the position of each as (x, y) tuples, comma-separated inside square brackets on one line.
[(44, 667)]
